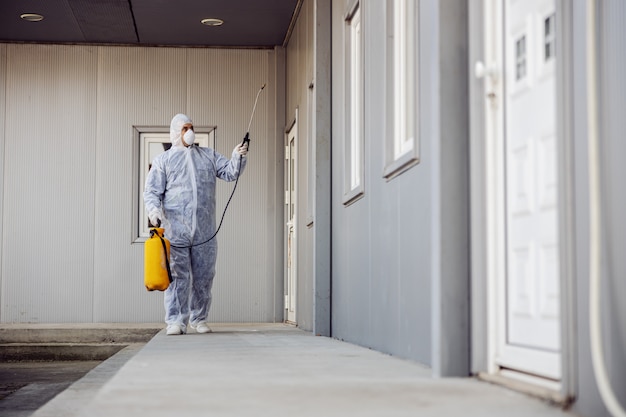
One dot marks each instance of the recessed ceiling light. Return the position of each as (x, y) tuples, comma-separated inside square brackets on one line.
[(32, 17), (212, 22)]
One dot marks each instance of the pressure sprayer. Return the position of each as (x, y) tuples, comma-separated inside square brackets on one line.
[(157, 272)]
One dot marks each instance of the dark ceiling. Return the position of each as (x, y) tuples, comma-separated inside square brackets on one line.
[(247, 23)]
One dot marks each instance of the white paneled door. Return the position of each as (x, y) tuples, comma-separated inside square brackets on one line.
[(526, 305), (290, 208)]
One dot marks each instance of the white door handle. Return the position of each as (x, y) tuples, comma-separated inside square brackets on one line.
[(481, 70)]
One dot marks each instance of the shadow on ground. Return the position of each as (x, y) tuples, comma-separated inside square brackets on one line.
[(39, 361), (26, 386)]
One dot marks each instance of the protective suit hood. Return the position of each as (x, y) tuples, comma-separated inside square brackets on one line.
[(176, 126)]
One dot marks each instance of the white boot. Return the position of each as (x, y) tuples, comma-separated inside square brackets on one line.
[(174, 329), (201, 327)]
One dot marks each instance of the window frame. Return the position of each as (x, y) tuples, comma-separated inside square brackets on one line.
[(206, 136), (354, 170), (402, 141)]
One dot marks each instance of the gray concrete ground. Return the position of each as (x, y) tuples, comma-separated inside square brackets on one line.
[(277, 370), (39, 361), (26, 386)]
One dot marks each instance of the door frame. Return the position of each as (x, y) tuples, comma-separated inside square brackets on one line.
[(291, 251), (535, 364), (482, 152)]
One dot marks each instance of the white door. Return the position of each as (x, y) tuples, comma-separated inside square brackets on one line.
[(526, 281), (290, 208)]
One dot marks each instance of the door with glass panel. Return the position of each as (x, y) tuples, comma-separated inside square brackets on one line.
[(290, 226), (524, 245)]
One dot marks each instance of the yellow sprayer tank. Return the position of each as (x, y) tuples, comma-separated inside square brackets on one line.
[(157, 274)]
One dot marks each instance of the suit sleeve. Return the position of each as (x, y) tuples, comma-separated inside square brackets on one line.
[(155, 187), (229, 169)]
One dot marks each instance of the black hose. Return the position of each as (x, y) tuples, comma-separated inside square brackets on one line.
[(223, 213)]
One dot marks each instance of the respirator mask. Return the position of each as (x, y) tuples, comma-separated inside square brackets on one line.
[(189, 137)]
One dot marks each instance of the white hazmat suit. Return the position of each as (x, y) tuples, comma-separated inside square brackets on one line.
[(180, 191)]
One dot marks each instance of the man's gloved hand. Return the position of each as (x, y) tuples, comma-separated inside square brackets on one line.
[(241, 149), (155, 218)]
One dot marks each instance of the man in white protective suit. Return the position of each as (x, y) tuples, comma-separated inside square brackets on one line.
[(180, 195)]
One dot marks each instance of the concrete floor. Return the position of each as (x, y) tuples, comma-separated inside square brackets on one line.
[(39, 361), (277, 370), (26, 386)]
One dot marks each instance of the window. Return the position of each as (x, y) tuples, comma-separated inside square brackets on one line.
[(150, 142), (311, 146), (520, 58), (549, 37), (402, 146), (541, 53), (353, 187)]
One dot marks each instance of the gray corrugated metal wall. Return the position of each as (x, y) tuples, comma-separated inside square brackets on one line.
[(612, 106), (3, 63), (400, 254), (67, 206), (49, 178), (299, 75), (382, 256), (610, 70)]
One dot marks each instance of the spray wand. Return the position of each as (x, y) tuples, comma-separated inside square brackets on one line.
[(246, 139)]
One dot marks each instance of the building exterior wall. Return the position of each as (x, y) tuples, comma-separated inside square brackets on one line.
[(68, 250), (574, 104), (399, 253), (611, 40), (611, 95), (3, 64), (300, 76), (309, 97)]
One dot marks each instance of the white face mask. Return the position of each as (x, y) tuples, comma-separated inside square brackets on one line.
[(189, 137)]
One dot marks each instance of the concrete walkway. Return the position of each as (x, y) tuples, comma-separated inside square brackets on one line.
[(277, 370)]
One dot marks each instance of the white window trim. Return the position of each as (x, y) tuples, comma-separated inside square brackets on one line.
[(402, 144), (143, 136), (311, 146), (354, 188)]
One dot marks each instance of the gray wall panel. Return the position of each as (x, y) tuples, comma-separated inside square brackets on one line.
[(3, 79), (612, 54), (587, 392), (78, 106), (611, 94), (49, 181), (136, 86), (382, 244), (245, 268), (276, 197), (453, 302), (299, 75), (400, 253), (322, 167), (478, 212)]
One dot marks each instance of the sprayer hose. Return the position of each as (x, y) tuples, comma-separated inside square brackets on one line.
[(223, 213)]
